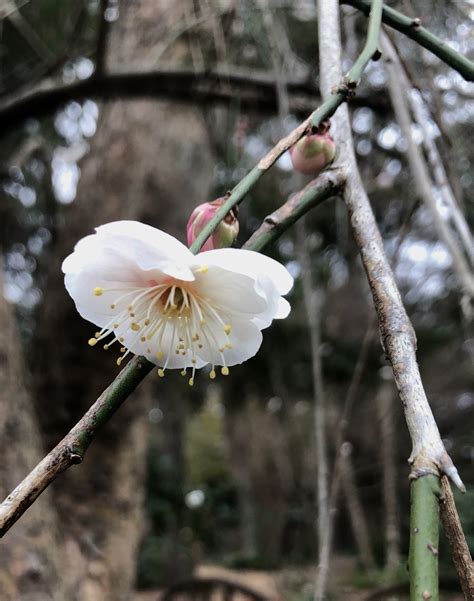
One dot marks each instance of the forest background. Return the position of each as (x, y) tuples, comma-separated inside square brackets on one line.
[(118, 110)]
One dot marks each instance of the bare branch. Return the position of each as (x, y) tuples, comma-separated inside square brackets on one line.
[(398, 338), (457, 541), (420, 172)]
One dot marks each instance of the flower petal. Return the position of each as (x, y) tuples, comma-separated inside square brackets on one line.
[(231, 292), (250, 263), (150, 248)]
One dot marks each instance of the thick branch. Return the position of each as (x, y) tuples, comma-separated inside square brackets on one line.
[(413, 29), (255, 91), (398, 338), (457, 541)]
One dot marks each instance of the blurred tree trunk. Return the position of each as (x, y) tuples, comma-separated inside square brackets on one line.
[(30, 566), (355, 509), (148, 161), (386, 404)]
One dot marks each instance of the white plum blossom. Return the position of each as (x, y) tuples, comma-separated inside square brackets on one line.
[(151, 295)]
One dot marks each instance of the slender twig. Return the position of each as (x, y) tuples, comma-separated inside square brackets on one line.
[(422, 116), (327, 184), (457, 541), (313, 300), (413, 29), (343, 91), (72, 448), (429, 457), (420, 172)]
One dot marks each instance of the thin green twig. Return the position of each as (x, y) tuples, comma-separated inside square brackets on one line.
[(73, 446), (344, 91), (414, 30)]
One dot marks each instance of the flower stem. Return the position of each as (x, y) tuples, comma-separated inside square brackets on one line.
[(73, 446), (344, 91), (424, 538), (413, 29)]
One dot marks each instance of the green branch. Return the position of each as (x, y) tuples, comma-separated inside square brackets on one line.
[(413, 29), (424, 538), (344, 91), (73, 446)]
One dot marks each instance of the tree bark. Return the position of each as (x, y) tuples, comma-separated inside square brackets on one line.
[(148, 161), (385, 400)]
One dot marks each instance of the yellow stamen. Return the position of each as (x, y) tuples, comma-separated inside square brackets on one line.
[(183, 372), (191, 381), (160, 355), (135, 327), (92, 341), (212, 374), (119, 360), (161, 373), (227, 328), (202, 269), (225, 370), (98, 291)]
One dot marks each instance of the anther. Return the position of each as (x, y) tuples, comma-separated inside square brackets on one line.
[(119, 361), (191, 381), (92, 341), (143, 338), (183, 372), (106, 347), (160, 355), (227, 329), (147, 322), (212, 374), (98, 291), (225, 370), (112, 306), (202, 269), (135, 327), (161, 373)]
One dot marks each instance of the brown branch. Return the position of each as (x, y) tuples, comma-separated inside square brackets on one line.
[(71, 450), (255, 91), (457, 541)]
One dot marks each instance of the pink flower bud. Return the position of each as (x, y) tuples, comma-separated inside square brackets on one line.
[(225, 233), (314, 152)]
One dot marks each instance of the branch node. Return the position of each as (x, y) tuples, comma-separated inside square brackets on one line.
[(74, 457), (377, 55), (416, 23)]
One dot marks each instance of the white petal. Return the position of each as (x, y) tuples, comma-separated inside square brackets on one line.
[(231, 292), (283, 310), (250, 263), (150, 248), (245, 339)]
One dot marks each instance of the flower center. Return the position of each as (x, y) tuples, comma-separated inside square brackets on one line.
[(168, 320)]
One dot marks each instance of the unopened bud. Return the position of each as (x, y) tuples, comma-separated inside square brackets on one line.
[(314, 152), (226, 232)]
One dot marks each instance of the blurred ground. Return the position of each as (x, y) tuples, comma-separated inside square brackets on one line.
[(293, 584)]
